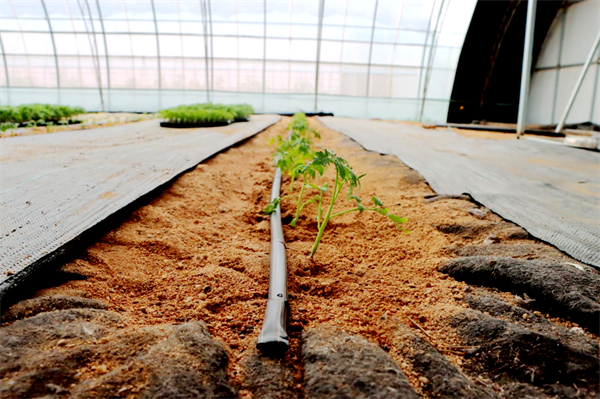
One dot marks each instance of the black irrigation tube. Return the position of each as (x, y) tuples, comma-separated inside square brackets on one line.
[(273, 338)]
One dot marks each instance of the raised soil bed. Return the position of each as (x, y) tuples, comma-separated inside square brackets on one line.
[(190, 270)]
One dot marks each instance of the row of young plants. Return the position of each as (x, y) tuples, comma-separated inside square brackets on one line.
[(30, 115), (297, 157), (207, 113)]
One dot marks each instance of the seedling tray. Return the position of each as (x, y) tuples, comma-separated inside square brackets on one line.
[(69, 122)]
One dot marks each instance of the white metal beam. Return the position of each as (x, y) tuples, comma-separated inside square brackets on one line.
[(264, 66), (157, 46), (430, 60), (53, 43), (5, 63), (586, 66), (93, 47), (371, 47), (205, 30), (105, 47), (319, 35), (526, 67)]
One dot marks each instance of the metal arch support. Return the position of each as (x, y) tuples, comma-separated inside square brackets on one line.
[(53, 43), (430, 60), (526, 68), (563, 17), (586, 66), (264, 71), (319, 35), (94, 48), (425, 51), (205, 30), (157, 46), (371, 47), (212, 58), (105, 45), (4, 60), (594, 93)]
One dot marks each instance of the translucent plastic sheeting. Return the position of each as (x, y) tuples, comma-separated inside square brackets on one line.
[(552, 191), (381, 49), (57, 186)]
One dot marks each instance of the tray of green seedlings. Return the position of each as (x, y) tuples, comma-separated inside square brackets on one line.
[(31, 115), (205, 115)]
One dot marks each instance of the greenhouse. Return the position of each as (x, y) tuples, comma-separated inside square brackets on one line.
[(299, 199)]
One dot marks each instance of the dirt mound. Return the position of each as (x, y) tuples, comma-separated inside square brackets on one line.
[(81, 353), (31, 307), (440, 378), (269, 378), (528, 356), (558, 287), (345, 365)]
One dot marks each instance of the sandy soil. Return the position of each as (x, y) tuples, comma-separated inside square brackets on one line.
[(200, 251)]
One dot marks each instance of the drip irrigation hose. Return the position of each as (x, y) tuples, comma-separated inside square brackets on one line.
[(273, 338)]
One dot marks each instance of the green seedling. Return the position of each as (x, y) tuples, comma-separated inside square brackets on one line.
[(38, 113), (345, 179), (299, 125), (4, 126), (206, 113), (293, 152)]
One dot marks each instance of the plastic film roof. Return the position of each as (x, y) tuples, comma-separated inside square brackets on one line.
[(305, 54)]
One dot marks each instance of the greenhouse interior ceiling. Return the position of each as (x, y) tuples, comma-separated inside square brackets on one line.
[(385, 59)]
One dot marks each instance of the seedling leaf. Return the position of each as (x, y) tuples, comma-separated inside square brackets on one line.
[(269, 209), (397, 219), (376, 201)]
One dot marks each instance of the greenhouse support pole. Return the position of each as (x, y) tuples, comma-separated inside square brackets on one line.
[(430, 59), (205, 30), (319, 35), (6, 73), (4, 60), (93, 48), (371, 47), (561, 41), (157, 52), (53, 47), (212, 58), (423, 55), (586, 66), (592, 109), (105, 46), (526, 67), (264, 65)]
